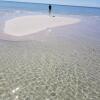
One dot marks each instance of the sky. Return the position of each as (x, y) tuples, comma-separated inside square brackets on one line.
[(89, 3)]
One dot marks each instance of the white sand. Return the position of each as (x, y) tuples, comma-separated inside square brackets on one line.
[(26, 25)]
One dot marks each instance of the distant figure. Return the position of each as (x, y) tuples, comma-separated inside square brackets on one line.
[(50, 8)]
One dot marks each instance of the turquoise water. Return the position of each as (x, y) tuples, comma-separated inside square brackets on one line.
[(58, 9)]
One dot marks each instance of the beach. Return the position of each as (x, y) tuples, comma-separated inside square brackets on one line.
[(46, 57)]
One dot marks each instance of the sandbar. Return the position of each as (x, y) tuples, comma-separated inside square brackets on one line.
[(26, 25)]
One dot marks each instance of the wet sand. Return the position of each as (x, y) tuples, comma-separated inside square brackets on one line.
[(60, 63)]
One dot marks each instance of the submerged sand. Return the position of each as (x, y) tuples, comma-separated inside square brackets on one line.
[(63, 64), (25, 25)]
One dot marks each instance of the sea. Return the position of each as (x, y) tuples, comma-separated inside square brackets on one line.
[(56, 9)]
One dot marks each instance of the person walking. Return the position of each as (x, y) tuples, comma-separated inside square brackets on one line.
[(50, 9)]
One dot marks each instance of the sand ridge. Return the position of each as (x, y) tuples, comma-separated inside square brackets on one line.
[(25, 25)]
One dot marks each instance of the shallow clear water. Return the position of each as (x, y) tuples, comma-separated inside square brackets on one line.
[(61, 64)]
